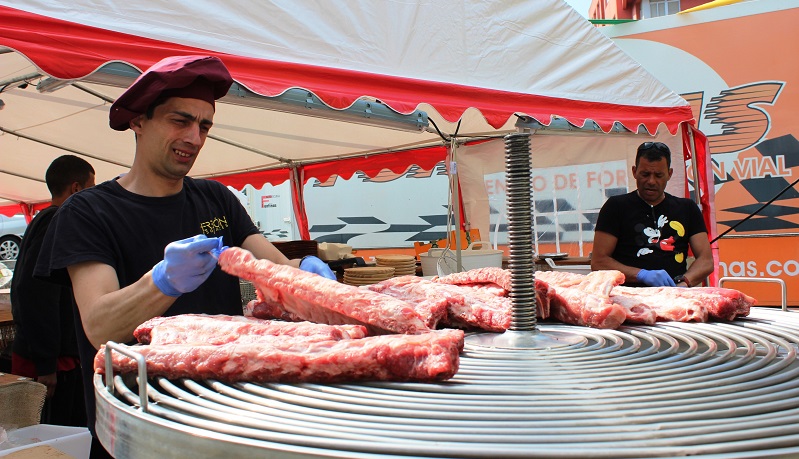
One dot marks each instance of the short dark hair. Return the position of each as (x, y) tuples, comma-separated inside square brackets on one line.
[(653, 151), (66, 170), (150, 112)]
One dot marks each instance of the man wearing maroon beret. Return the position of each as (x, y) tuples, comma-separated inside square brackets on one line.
[(144, 244)]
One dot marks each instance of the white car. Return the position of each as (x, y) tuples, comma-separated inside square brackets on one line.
[(11, 231)]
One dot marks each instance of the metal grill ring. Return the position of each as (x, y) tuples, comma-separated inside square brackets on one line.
[(709, 390)]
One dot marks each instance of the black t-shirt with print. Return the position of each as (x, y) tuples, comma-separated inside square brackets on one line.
[(651, 237), (129, 232)]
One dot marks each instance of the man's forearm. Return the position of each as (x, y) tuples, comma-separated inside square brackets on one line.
[(698, 271), (113, 315)]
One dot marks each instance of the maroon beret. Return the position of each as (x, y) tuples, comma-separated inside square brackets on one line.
[(193, 77)]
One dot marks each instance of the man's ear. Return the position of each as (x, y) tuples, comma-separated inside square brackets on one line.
[(135, 123), (74, 188)]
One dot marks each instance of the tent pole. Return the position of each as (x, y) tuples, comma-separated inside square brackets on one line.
[(297, 181), (694, 167), (695, 171), (456, 203)]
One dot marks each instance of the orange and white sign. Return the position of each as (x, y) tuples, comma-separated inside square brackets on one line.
[(735, 64)]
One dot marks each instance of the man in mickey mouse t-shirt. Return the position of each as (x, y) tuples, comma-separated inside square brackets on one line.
[(646, 234)]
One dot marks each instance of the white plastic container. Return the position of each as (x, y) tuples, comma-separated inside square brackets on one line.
[(440, 262), (75, 441)]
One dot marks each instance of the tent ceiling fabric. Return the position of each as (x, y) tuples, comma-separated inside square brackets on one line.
[(475, 62)]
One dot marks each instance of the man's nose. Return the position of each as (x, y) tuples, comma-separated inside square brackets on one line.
[(194, 135)]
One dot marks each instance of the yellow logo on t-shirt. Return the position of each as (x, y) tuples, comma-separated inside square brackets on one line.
[(214, 225)]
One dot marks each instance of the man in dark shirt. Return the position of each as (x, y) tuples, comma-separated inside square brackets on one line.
[(142, 245), (45, 346), (646, 234)]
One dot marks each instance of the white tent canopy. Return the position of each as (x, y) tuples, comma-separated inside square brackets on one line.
[(468, 66)]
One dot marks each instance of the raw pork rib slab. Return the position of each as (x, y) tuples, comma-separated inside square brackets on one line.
[(560, 278), (493, 275), (222, 329), (724, 303), (588, 303), (635, 311), (260, 310), (667, 306), (487, 275), (465, 307), (313, 298), (587, 309), (690, 304), (432, 356)]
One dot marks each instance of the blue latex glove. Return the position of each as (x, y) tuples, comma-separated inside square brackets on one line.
[(655, 278), (186, 264), (314, 265)]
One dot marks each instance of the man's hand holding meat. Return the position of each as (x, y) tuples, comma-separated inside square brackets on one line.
[(647, 234), (187, 264), (312, 264)]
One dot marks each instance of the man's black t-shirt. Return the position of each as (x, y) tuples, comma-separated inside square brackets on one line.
[(42, 310), (651, 237), (129, 232)]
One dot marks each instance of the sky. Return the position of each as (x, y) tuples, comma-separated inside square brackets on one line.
[(580, 5)]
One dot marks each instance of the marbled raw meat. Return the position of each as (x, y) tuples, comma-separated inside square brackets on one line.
[(222, 329), (588, 303), (490, 289), (698, 304), (317, 299), (486, 275), (587, 309), (667, 306), (724, 303), (431, 356), (560, 278), (635, 311), (493, 275), (465, 307), (258, 309)]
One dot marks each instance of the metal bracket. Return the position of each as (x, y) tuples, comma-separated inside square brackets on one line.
[(142, 367), (761, 279)]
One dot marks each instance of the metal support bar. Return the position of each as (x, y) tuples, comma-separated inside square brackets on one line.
[(17, 79)]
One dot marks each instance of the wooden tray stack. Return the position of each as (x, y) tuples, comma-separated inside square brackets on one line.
[(297, 249), (367, 275), (404, 265)]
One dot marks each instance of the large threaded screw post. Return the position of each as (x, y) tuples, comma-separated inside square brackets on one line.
[(518, 189)]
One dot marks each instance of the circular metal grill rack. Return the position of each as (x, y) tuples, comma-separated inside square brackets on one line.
[(726, 390)]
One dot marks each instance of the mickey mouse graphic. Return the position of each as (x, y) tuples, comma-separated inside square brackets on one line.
[(651, 237)]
